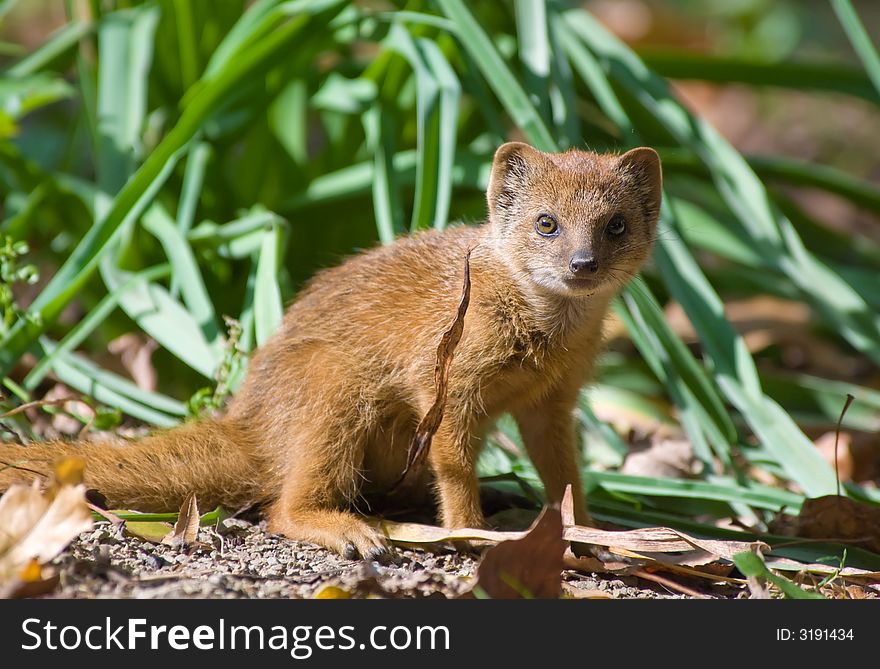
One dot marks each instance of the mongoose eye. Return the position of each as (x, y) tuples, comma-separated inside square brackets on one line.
[(616, 226), (546, 225)]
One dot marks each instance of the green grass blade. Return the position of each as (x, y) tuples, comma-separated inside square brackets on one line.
[(859, 39), (774, 235), (736, 373), (496, 73), (82, 330), (268, 310), (186, 271), (386, 189), (63, 40), (125, 40), (534, 53), (427, 124), (450, 93), (751, 564), (165, 319), (90, 380), (800, 76)]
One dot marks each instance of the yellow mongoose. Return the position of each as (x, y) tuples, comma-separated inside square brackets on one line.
[(330, 403)]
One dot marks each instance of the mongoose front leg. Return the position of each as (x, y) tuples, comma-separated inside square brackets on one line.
[(453, 459), (547, 430)]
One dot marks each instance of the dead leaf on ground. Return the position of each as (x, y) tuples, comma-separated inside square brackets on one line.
[(662, 458), (417, 534), (570, 591), (186, 529), (836, 517), (35, 526), (63, 423), (529, 567), (148, 530), (31, 582), (430, 423), (849, 573)]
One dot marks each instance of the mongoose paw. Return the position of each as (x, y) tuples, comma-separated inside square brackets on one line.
[(360, 541), (352, 552)]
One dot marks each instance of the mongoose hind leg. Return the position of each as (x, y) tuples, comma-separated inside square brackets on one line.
[(336, 530), (318, 484)]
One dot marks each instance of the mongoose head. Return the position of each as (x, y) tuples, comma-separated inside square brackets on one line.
[(574, 223)]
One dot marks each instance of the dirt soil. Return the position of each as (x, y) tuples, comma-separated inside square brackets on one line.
[(240, 559)]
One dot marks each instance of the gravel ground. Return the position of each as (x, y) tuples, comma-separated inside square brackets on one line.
[(241, 559)]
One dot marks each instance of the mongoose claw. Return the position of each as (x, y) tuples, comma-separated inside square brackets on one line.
[(351, 552)]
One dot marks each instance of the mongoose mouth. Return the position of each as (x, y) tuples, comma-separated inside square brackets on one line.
[(582, 282)]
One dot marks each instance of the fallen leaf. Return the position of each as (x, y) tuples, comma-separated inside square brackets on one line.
[(670, 584), (856, 592), (135, 355), (662, 458), (332, 592), (644, 540), (427, 427), (19, 589), (571, 592), (837, 517), (416, 533), (35, 527), (529, 567), (657, 540), (186, 529), (785, 564), (152, 531)]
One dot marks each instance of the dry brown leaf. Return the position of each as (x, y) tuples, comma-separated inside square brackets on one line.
[(641, 543), (63, 423), (657, 540), (186, 529), (35, 527), (593, 565), (670, 584), (415, 533), (837, 517), (526, 568), (856, 592), (135, 354), (712, 572), (663, 458), (571, 592), (785, 564), (428, 426)]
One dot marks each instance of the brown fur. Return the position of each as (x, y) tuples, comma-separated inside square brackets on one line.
[(330, 402)]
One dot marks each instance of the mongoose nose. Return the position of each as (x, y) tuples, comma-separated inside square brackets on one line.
[(581, 263)]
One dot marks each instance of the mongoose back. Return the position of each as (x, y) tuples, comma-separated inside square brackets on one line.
[(330, 403)]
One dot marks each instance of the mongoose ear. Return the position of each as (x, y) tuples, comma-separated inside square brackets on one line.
[(642, 165), (513, 168)]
